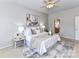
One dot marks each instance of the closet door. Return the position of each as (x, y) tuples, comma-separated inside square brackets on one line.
[(57, 25), (77, 27)]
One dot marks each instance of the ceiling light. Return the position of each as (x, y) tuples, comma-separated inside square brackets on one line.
[(50, 3), (50, 6)]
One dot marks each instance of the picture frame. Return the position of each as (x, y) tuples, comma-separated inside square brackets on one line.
[(32, 20)]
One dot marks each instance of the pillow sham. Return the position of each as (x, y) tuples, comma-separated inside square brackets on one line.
[(35, 30)]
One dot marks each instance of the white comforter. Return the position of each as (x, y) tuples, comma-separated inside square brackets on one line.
[(43, 42)]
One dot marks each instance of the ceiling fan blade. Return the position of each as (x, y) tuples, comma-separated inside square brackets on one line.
[(57, 5), (45, 1), (57, 1), (49, 0), (42, 6)]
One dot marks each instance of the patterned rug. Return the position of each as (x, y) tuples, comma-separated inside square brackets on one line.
[(59, 50)]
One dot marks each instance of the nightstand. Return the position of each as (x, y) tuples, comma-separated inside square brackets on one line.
[(19, 42)]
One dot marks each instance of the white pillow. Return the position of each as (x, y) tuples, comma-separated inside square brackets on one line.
[(40, 34)]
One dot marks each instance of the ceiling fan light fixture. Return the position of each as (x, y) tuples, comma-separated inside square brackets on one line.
[(50, 3), (50, 6)]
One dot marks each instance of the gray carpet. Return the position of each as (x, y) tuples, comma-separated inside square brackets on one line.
[(59, 50)]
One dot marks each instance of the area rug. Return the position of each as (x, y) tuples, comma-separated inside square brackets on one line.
[(59, 50)]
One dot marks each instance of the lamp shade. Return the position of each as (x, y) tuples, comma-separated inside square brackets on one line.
[(43, 26), (20, 28)]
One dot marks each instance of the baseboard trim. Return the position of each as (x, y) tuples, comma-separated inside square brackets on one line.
[(6, 46), (68, 37)]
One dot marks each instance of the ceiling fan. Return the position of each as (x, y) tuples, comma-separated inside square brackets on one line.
[(50, 3)]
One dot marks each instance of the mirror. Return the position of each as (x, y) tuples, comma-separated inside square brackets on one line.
[(57, 25)]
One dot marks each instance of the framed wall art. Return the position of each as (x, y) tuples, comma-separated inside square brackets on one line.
[(32, 20)]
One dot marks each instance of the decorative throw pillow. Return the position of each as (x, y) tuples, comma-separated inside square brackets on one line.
[(35, 30)]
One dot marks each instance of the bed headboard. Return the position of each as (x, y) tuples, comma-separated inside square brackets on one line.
[(33, 22)]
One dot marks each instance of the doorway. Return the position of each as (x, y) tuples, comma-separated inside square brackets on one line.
[(56, 25)]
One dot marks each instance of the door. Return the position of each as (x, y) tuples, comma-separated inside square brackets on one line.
[(77, 27)]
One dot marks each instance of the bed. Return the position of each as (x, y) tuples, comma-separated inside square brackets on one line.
[(42, 41)]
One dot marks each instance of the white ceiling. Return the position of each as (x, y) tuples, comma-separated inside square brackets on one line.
[(64, 5), (33, 4), (36, 4)]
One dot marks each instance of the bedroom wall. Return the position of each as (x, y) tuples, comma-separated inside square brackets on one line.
[(67, 22), (10, 16)]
